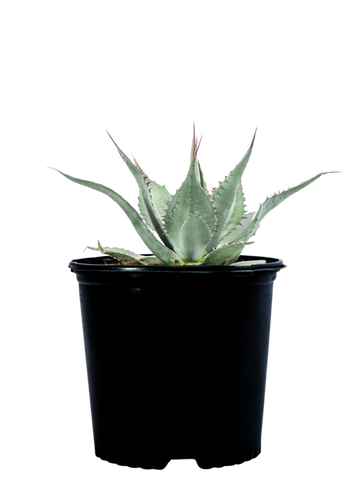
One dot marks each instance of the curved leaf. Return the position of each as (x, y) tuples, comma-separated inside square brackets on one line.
[(163, 253), (237, 232), (126, 255), (272, 202), (229, 200), (225, 255), (153, 196)]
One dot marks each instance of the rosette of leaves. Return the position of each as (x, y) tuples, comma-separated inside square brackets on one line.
[(193, 226)]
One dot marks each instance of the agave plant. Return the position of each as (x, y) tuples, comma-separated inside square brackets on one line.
[(194, 226)]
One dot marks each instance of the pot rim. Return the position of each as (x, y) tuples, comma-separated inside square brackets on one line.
[(81, 263)]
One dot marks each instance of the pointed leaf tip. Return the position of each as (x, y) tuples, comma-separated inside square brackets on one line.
[(51, 168), (334, 171)]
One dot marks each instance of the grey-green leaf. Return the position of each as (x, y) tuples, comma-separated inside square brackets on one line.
[(275, 201), (190, 218), (150, 205), (229, 200), (237, 232), (225, 255), (126, 255), (137, 224)]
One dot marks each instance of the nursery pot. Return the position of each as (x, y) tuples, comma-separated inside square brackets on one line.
[(176, 359)]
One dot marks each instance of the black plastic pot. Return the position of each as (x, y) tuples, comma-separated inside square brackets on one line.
[(176, 359)]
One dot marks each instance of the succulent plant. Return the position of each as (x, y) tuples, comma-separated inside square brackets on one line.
[(194, 226)]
